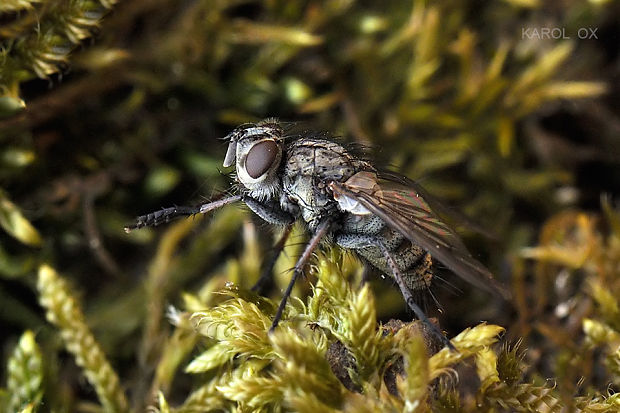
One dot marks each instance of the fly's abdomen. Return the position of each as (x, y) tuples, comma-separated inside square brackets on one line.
[(414, 263)]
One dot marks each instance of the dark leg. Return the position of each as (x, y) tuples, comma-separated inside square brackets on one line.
[(267, 272), (269, 211), (167, 214), (210, 206), (365, 274), (409, 297), (299, 266)]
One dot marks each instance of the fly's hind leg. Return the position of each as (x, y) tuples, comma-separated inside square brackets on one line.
[(360, 240), (408, 296)]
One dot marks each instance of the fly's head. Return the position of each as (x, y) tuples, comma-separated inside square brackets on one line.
[(256, 152)]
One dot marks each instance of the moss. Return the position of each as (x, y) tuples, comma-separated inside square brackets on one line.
[(112, 109), (64, 312), (25, 375)]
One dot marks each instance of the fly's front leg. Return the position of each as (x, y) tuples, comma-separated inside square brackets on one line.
[(321, 231), (355, 241), (166, 215), (269, 211)]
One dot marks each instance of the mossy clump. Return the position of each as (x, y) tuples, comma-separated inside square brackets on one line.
[(110, 109)]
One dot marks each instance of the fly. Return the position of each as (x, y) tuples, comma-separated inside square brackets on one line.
[(385, 218)]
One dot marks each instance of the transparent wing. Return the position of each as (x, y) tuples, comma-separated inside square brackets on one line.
[(399, 202), (445, 213)]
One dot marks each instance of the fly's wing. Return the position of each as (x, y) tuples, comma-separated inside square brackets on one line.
[(442, 211), (404, 209)]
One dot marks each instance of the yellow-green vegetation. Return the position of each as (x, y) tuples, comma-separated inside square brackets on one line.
[(111, 109), (62, 310), (25, 375)]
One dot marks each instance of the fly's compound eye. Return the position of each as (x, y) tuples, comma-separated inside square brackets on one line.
[(260, 158)]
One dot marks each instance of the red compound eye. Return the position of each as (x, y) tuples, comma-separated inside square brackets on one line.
[(260, 158)]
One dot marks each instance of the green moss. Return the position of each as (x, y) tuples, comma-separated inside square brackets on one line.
[(112, 109)]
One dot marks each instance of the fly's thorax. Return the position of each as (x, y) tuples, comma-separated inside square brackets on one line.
[(326, 160), (256, 150), (309, 197), (310, 164)]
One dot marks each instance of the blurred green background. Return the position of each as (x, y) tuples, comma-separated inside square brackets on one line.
[(109, 110)]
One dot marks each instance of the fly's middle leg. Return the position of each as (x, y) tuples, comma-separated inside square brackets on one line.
[(321, 231)]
